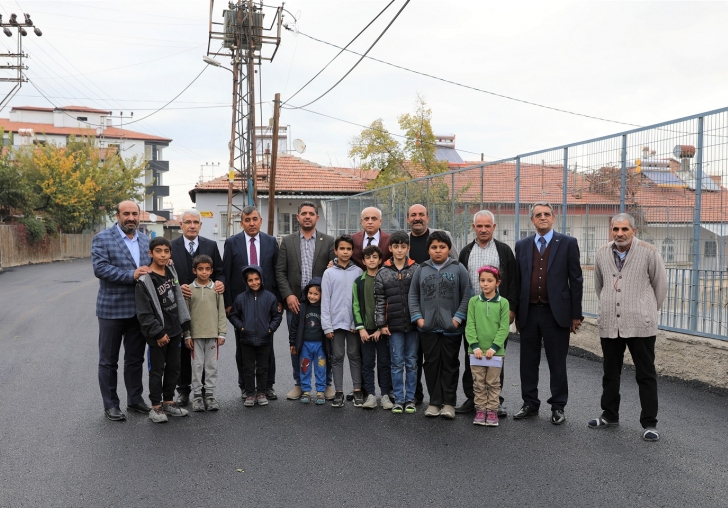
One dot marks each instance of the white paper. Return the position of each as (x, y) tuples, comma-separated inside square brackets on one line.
[(496, 361)]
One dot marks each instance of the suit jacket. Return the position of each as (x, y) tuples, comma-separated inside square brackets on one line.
[(114, 267), (235, 258), (183, 260), (358, 237), (563, 278), (288, 268)]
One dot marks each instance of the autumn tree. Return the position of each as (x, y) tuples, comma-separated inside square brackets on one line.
[(14, 191)]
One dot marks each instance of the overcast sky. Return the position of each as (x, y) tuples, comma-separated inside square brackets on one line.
[(635, 62)]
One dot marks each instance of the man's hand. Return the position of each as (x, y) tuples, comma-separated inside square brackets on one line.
[(186, 291), (228, 309), (489, 354), (163, 341), (420, 323), (219, 287), (293, 350), (385, 330), (575, 325), (190, 344), (363, 335), (455, 323), (142, 270), (220, 341), (280, 307), (293, 305), (331, 263), (375, 336), (513, 317), (478, 354), (330, 335)]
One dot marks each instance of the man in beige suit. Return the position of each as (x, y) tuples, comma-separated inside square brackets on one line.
[(631, 284)]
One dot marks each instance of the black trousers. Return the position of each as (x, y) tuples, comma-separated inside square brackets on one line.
[(441, 366), (419, 394), (241, 368), (642, 350), (542, 327), (255, 367), (112, 332), (376, 353), (164, 370), (468, 375)]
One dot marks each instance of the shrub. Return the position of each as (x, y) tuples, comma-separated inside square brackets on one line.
[(35, 230)]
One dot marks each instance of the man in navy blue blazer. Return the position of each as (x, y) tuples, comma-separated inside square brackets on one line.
[(250, 247), (120, 255), (550, 287)]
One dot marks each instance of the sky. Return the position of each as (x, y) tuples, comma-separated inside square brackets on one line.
[(634, 62)]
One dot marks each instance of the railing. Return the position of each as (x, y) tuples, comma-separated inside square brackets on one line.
[(669, 176)]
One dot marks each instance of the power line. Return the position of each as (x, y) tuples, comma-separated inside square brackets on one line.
[(340, 52), (466, 86), (358, 61)]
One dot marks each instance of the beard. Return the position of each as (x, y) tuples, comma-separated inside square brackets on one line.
[(129, 227)]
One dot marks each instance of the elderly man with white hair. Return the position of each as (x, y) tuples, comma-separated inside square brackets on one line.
[(371, 234)]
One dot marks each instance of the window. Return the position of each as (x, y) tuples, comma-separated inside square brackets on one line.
[(668, 250), (223, 225), (287, 223), (524, 234), (711, 249), (82, 118)]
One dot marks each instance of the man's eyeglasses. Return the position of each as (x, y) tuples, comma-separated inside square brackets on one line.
[(188, 222), (543, 214)]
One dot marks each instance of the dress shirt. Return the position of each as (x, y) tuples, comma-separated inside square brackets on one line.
[(132, 244), (548, 236)]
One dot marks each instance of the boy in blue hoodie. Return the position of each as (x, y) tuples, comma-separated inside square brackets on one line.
[(256, 317), (307, 339), (337, 319)]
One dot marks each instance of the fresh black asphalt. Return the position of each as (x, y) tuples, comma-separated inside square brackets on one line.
[(57, 448)]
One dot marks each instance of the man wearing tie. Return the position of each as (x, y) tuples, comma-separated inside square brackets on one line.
[(250, 247), (371, 221), (184, 250), (550, 286)]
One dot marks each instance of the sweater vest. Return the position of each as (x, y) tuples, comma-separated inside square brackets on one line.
[(538, 291)]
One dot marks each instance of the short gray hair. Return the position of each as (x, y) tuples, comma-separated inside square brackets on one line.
[(620, 217), (248, 210), (542, 203), (377, 209), (484, 213), (191, 211)]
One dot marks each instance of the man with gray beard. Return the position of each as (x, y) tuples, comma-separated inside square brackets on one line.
[(120, 255)]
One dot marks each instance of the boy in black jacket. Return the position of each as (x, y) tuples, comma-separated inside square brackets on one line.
[(163, 317), (256, 317), (307, 339)]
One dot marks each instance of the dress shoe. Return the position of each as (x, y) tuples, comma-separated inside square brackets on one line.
[(114, 414), (140, 407), (557, 416), (183, 399), (525, 412), (271, 394), (467, 406), (294, 394), (502, 411)]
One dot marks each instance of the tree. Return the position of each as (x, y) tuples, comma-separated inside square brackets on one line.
[(14, 191)]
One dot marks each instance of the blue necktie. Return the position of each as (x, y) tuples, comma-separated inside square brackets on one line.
[(542, 245)]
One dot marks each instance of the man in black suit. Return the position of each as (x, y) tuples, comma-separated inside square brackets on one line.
[(550, 286), (251, 247), (184, 249)]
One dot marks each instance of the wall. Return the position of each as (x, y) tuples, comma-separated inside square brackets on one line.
[(15, 252)]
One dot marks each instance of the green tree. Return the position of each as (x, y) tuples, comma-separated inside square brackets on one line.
[(14, 191)]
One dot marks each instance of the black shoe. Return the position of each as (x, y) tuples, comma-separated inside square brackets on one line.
[(183, 399), (338, 400), (502, 411), (141, 407), (114, 414), (557, 416), (271, 394), (358, 399), (418, 401), (525, 412), (466, 406), (350, 396)]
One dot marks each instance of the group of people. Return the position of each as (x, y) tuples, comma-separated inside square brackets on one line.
[(397, 306)]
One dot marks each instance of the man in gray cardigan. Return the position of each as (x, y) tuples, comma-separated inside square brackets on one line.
[(631, 284)]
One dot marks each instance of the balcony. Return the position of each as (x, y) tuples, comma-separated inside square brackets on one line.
[(158, 191), (158, 166)]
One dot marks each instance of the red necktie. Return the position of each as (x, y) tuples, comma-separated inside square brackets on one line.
[(253, 252)]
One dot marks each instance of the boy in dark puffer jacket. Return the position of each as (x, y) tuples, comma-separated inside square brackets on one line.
[(391, 289), (256, 317)]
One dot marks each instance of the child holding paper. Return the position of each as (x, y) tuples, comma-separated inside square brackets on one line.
[(486, 331)]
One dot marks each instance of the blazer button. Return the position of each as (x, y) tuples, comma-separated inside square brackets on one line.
[(617, 315)]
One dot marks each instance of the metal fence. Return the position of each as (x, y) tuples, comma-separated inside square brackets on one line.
[(669, 176)]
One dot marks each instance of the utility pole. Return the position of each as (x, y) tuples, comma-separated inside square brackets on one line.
[(243, 37), (19, 79), (273, 163)]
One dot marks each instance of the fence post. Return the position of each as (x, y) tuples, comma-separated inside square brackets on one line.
[(346, 223), (427, 201), (482, 182), (623, 184), (452, 203), (695, 289), (406, 202), (518, 200), (565, 195)]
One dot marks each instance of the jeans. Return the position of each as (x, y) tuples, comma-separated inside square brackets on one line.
[(313, 361), (376, 353), (296, 359), (404, 348)]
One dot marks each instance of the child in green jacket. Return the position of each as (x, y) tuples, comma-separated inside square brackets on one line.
[(486, 332)]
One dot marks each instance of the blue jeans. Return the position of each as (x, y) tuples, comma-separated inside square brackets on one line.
[(296, 359), (314, 353), (403, 348)]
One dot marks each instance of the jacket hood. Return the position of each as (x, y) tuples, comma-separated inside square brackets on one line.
[(407, 262), (336, 264), (256, 269), (316, 281), (447, 262)]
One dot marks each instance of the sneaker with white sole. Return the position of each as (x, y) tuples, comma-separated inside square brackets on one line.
[(173, 409), (432, 411), (479, 417), (397, 409), (651, 435), (370, 402), (211, 404), (491, 419), (448, 412), (386, 402), (294, 394), (198, 405), (410, 408), (320, 399), (157, 415)]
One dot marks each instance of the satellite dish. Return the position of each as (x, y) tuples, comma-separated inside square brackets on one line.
[(153, 217), (299, 146)]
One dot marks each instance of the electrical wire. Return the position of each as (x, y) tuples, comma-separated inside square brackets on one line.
[(339, 53), (358, 61)]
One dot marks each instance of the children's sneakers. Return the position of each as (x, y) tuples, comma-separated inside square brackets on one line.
[(338, 400), (198, 405), (410, 408), (386, 402), (249, 401), (305, 397), (320, 398), (397, 409), (370, 403), (262, 400), (173, 409), (211, 404), (157, 415), (491, 419), (358, 398), (479, 418)]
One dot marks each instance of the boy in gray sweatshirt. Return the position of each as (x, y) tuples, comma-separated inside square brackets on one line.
[(438, 303), (337, 319)]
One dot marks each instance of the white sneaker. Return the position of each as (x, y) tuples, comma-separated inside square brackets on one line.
[(432, 411), (173, 410), (370, 402), (386, 402), (157, 415)]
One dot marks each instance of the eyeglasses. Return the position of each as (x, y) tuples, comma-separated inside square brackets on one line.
[(188, 222), (543, 214)]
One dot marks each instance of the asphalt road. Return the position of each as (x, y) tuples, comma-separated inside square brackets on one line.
[(57, 449)]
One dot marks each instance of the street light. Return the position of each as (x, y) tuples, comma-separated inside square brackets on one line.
[(211, 61)]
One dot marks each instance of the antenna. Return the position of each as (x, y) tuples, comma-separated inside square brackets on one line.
[(299, 146)]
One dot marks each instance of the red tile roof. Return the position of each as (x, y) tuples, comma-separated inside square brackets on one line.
[(109, 132), (81, 109), (31, 108)]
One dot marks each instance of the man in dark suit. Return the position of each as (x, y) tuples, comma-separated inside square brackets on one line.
[(184, 250), (371, 221), (550, 286), (250, 247), (302, 256), (120, 255)]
